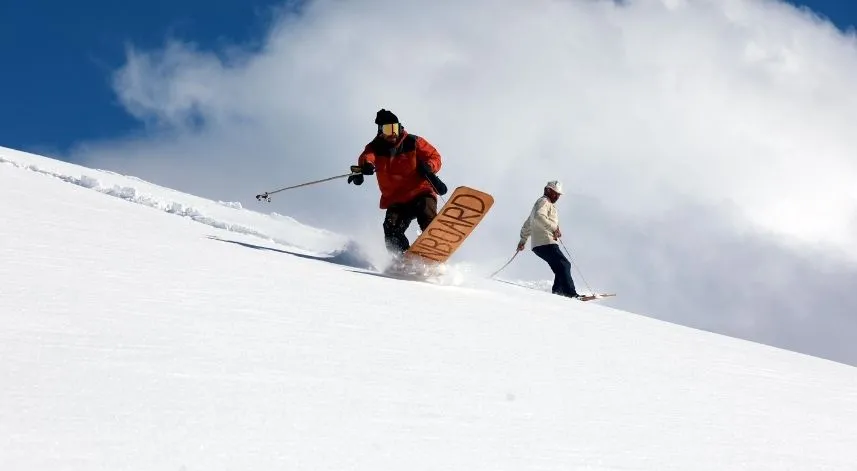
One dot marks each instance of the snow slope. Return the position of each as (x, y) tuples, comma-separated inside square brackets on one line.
[(145, 329)]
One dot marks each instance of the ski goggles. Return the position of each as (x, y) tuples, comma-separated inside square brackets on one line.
[(390, 129)]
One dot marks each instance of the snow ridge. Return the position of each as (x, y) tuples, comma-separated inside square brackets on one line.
[(336, 248), (133, 195)]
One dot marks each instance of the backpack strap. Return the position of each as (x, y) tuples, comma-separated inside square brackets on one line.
[(409, 144)]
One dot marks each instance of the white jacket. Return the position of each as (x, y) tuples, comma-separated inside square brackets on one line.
[(541, 224)]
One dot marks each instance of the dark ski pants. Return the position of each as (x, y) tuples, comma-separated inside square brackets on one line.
[(562, 283), (399, 217)]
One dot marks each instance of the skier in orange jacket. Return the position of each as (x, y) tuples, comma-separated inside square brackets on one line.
[(405, 166)]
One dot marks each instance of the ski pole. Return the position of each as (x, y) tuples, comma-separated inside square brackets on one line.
[(506, 265), (575, 266), (267, 195)]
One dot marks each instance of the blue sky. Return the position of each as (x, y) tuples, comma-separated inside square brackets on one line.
[(60, 55)]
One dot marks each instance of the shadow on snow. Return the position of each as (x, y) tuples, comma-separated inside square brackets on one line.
[(350, 255)]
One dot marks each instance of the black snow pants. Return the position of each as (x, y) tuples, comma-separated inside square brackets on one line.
[(399, 217), (563, 285)]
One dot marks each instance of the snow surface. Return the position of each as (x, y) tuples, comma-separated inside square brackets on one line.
[(146, 329)]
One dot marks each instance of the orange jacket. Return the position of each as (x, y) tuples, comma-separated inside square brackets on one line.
[(396, 167)]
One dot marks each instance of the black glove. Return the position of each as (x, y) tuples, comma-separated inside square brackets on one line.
[(368, 168), (423, 168), (356, 179)]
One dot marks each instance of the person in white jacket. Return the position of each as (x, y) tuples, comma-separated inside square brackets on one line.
[(543, 226)]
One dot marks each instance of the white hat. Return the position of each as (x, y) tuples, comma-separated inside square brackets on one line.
[(555, 185)]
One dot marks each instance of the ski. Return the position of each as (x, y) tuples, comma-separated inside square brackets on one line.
[(582, 297), (591, 297), (454, 223)]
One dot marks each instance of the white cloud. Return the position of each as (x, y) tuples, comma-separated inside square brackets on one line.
[(740, 110)]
